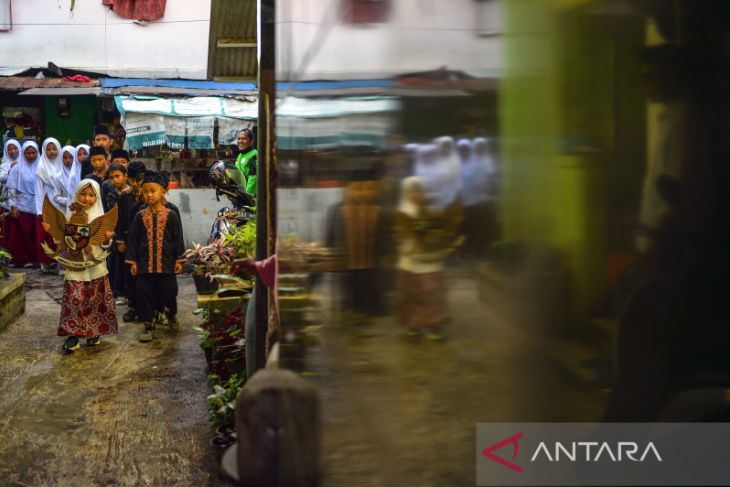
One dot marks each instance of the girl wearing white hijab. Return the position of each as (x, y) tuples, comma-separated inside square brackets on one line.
[(23, 224), (450, 167), (427, 170), (87, 306), (82, 155), (49, 169), (11, 155), (438, 167), (478, 220), (64, 186), (425, 239)]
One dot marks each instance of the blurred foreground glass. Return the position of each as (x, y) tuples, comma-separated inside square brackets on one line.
[(499, 211)]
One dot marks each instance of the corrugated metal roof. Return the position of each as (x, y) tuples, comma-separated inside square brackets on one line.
[(164, 90), (62, 91), (20, 83), (233, 28)]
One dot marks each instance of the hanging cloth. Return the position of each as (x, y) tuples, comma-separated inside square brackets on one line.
[(137, 9)]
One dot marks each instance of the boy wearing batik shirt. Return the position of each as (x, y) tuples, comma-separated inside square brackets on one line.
[(155, 249)]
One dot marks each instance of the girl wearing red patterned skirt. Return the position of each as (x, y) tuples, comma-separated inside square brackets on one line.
[(87, 307)]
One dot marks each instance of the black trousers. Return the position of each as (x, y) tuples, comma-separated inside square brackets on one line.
[(364, 291), (131, 289), (156, 292), (118, 273)]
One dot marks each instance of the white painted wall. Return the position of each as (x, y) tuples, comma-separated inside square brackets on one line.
[(301, 211), (198, 210), (94, 38), (419, 35)]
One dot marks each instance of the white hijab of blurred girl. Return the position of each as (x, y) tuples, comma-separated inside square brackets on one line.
[(451, 169), (407, 206)]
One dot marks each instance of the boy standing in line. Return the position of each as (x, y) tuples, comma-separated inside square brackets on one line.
[(135, 174), (118, 270), (155, 249), (99, 163), (110, 195)]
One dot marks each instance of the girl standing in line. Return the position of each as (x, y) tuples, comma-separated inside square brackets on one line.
[(87, 306), (63, 188), (425, 238), (11, 154), (22, 224), (82, 155), (49, 169)]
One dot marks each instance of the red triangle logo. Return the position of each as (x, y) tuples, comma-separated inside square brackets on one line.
[(514, 440)]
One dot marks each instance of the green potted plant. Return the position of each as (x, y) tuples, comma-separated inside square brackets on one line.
[(222, 409), (5, 259), (243, 239), (207, 261)]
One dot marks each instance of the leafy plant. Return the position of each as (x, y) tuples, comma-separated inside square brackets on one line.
[(225, 345), (214, 258), (5, 258), (243, 239), (222, 403)]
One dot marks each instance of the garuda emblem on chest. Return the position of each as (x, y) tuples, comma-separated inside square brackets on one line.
[(75, 237)]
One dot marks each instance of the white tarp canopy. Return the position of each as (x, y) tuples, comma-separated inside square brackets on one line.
[(200, 106), (151, 121), (305, 123)]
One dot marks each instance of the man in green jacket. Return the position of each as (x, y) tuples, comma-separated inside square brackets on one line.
[(246, 160)]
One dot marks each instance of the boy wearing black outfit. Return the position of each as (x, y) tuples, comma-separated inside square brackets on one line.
[(135, 173), (155, 249), (119, 194)]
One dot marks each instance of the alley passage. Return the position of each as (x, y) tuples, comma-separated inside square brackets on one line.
[(399, 412), (121, 414)]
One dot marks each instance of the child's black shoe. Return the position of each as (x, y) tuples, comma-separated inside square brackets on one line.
[(93, 341), (148, 334), (70, 345)]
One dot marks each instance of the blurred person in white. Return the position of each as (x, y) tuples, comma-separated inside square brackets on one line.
[(425, 239), (438, 167), (479, 218)]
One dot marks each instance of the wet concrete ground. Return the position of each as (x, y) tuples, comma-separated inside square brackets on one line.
[(404, 412), (121, 414), (395, 411)]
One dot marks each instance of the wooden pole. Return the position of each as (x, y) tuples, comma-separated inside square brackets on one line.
[(265, 332)]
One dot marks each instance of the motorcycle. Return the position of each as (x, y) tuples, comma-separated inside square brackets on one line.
[(229, 181)]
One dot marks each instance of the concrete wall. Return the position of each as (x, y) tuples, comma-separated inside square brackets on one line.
[(300, 211), (303, 211), (198, 210), (94, 38), (417, 35)]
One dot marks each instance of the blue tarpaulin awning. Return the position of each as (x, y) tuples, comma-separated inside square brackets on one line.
[(177, 83)]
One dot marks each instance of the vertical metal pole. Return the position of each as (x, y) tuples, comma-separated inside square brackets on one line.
[(266, 170)]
